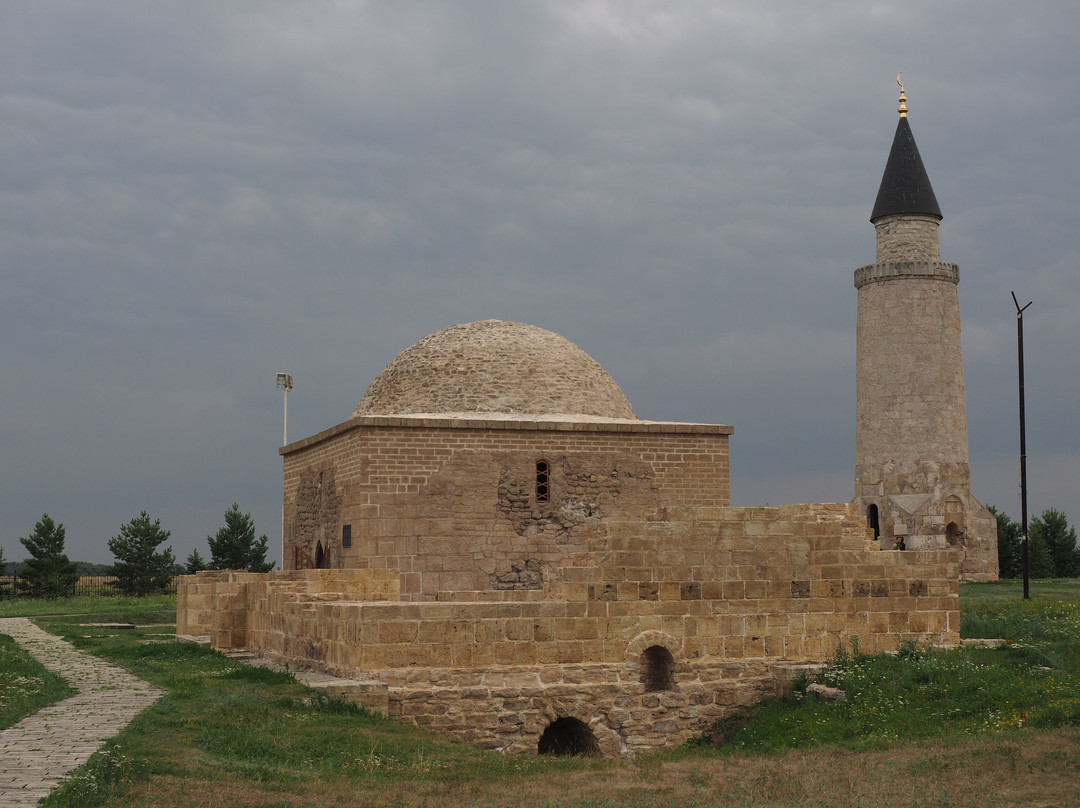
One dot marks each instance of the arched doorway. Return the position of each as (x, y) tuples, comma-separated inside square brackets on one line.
[(320, 557), (568, 736)]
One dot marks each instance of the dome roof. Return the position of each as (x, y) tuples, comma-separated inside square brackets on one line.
[(495, 368)]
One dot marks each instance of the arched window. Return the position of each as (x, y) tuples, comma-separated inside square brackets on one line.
[(657, 669), (568, 736), (873, 521), (542, 488)]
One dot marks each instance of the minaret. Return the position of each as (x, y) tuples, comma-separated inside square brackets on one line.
[(912, 476)]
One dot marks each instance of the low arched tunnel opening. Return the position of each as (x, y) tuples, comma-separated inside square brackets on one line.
[(568, 736)]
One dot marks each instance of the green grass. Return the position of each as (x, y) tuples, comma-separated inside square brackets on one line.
[(916, 696), (222, 718), (924, 727), (1013, 589), (103, 608), (922, 693), (25, 685)]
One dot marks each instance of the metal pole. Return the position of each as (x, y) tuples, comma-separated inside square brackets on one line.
[(285, 427), (1023, 443)]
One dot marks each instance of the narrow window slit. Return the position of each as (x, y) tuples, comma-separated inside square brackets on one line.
[(542, 489)]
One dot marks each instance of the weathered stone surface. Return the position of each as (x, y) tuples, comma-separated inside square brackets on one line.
[(499, 669), (495, 367), (825, 693), (911, 447)]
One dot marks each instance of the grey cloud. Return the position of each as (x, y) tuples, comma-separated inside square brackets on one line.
[(198, 195)]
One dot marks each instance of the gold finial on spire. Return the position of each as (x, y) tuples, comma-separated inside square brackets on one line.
[(903, 98)]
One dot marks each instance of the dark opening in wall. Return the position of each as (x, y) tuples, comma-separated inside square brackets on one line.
[(568, 736), (873, 520), (657, 669), (346, 535), (953, 534), (542, 491), (320, 557)]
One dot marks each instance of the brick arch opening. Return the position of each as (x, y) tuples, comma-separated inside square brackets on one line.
[(657, 667), (568, 736)]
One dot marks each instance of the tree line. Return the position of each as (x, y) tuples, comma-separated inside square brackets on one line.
[(141, 568), (1052, 550)]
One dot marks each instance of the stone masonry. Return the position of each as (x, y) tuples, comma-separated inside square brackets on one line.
[(495, 547), (912, 474), (452, 504), (736, 598)]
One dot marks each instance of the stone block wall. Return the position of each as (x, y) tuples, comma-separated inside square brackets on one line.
[(728, 594), (452, 504), (911, 421), (222, 604), (911, 237), (911, 444), (912, 473)]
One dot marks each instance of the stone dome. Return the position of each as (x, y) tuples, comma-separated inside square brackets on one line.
[(499, 369)]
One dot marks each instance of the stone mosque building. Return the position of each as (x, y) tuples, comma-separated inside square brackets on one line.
[(494, 546)]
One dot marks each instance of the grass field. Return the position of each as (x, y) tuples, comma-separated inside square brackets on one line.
[(970, 727), (25, 686)]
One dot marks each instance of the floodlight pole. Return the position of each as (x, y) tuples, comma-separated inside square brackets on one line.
[(284, 381), (1023, 442)]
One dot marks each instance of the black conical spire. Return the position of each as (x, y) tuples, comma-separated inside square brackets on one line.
[(905, 188)]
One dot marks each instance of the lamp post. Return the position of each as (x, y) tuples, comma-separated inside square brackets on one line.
[(284, 381)]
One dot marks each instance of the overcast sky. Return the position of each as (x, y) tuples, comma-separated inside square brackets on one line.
[(196, 195)]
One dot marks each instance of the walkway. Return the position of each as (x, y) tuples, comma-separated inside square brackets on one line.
[(40, 750)]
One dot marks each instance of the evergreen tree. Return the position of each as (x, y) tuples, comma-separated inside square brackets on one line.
[(1040, 564), (235, 546), (195, 563), (1010, 561), (140, 568), (1053, 530), (4, 588), (47, 573)]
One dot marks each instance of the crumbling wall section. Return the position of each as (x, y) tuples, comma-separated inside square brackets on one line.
[(317, 517)]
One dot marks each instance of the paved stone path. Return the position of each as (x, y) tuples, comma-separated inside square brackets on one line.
[(40, 750)]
